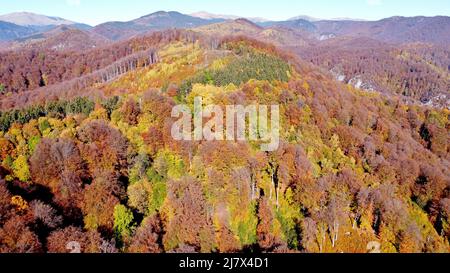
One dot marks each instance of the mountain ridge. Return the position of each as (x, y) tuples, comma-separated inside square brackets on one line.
[(207, 15), (34, 19), (159, 20), (395, 29), (20, 25), (10, 31)]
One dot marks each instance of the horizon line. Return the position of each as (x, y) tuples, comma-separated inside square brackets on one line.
[(316, 19)]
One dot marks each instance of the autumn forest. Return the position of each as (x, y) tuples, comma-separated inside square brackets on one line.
[(87, 155)]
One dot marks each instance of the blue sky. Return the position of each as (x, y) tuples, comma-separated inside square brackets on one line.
[(98, 11)]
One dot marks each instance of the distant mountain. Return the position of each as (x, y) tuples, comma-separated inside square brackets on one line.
[(232, 27), (298, 24), (61, 38), (73, 39), (32, 19), (9, 31), (156, 21), (304, 17), (347, 19), (314, 19), (394, 30), (209, 16), (172, 19), (19, 25), (119, 30)]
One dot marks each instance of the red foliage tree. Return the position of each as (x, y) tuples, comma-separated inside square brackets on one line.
[(147, 237), (99, 201), (57, 164), (5, 202), (104, 148), (16, 237), (68, 240), (131, 111), (154, 139), (191, 225), (266, 239)]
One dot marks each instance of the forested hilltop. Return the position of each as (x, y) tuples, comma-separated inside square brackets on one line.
[(97, 164)]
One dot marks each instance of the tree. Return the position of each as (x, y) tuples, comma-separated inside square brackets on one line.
[(46, 214), (131, 111), (70, 238), (138, 196), (5, 204), (57, 164), (445, 217), (100, 199), (309, 235), (140, 163), (19, 203), (429, 186), (158, 105), (123, 222), (6, 149), (336, 215), (16, 237), (21, 169), (154, 139), (227, 241), (191, 224), (110, 105), (104, 148), (439, 141), (147, 238), (266, 239)]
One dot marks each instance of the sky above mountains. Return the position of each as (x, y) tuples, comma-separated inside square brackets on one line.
[(94, 12)]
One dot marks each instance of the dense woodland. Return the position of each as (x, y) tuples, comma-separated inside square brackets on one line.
[(353, 167), (419, 71), (28, 69)]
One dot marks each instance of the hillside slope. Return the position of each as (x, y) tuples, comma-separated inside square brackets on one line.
[(393, 30), (9, 31), (32, 19), (278, 35), (62, 38), (352, 167), (417, 71)]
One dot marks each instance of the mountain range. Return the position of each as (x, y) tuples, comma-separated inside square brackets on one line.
[(396, 29), (9, 31), (20, 25), (32, 19), (153, 22)]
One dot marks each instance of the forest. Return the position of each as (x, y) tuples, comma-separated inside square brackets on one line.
[(353, 167), (418, 71), (29, 69)]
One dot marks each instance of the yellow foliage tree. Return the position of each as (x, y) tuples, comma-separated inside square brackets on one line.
[(21, 169)]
